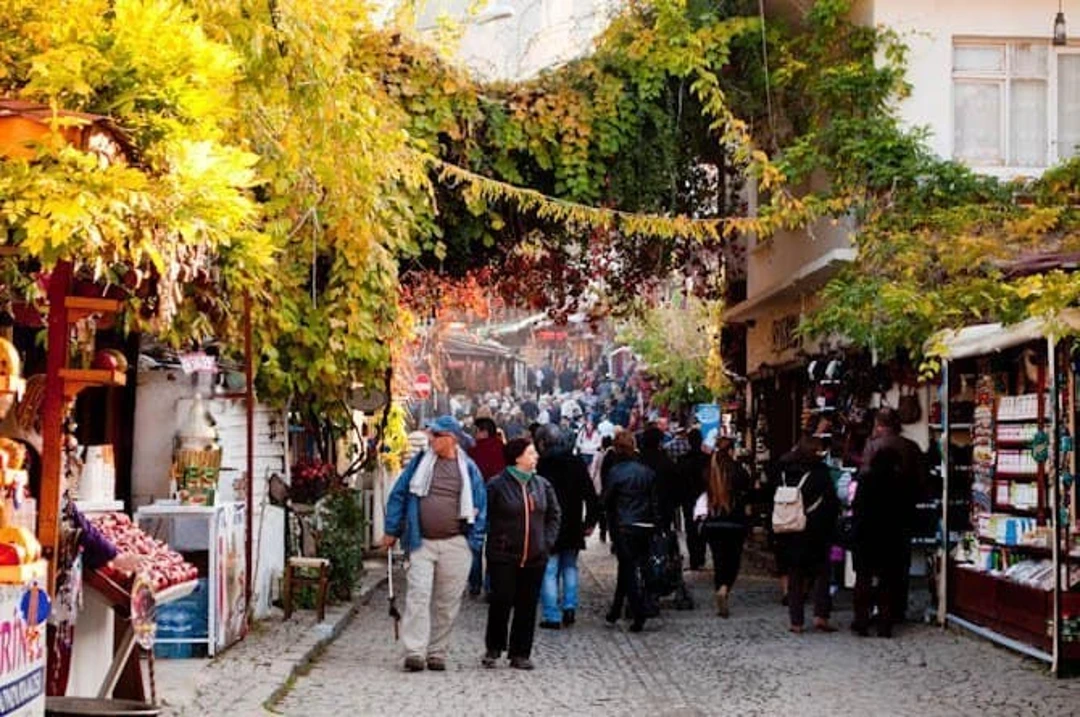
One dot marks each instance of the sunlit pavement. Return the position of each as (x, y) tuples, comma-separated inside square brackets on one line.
[(685, 663)]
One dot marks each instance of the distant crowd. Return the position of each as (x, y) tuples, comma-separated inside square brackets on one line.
[(503, 513)]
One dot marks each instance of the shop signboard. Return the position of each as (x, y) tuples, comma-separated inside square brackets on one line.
[(708, 417), (229, 573), (22, 658)]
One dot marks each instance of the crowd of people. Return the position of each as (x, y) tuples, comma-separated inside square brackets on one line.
[(504, 513)]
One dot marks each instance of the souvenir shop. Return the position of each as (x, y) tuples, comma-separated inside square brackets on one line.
[(1005, 419), (82, 584)]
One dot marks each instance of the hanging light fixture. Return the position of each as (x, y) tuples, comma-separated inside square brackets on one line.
[(1060, 38)]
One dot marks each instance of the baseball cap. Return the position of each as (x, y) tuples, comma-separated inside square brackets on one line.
[(449, 424)]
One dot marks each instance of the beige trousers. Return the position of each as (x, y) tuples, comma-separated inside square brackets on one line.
[(436, 580)]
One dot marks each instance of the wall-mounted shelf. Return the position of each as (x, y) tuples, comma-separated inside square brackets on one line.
[(79, 307), (76, 379)]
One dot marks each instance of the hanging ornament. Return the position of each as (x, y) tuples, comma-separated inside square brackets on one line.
[(1040, 446), (143, 611)]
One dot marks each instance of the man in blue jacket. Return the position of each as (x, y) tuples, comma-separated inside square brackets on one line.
[(438, 508)]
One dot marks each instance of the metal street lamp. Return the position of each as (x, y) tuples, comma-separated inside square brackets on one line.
[(1060, 36)]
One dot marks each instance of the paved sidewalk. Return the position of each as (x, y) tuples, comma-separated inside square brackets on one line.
[(241, 680), (685, 663)]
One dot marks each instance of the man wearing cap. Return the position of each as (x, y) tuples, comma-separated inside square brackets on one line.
[(438, 508)]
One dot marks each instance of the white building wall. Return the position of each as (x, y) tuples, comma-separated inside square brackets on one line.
[(929, 27)]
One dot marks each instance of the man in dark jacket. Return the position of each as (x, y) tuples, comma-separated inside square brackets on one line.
[(568, 475), (487, 454), (668, 493), (898, 478), (691, 472), (630, 502)]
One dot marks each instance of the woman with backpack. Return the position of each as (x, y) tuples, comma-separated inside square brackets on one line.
[(804, 519), (721, 513)]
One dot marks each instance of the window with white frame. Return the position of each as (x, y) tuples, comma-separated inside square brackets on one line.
[(1015, 103)]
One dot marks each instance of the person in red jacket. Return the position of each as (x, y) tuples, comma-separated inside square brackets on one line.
[(487, 454), (488, 451)]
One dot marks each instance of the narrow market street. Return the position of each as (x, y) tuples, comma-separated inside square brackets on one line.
[(685, 663)]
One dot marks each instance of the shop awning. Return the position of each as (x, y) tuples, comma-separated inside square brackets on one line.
[(982, 339)]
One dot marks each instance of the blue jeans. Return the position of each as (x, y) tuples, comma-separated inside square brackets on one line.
[(562, 566), (476, 572)]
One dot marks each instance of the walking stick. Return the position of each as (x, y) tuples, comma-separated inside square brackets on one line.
[(390, 582)]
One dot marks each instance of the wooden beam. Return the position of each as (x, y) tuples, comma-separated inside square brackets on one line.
[(52, 422)]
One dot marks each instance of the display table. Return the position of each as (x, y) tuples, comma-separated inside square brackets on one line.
[(92, 651), (219, 532)]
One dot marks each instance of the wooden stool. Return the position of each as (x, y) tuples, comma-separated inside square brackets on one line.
[(295, 575)]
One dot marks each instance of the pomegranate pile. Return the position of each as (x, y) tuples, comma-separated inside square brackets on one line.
[(164, 566)]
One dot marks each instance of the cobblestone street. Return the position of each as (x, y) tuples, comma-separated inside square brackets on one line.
[(685, 663)]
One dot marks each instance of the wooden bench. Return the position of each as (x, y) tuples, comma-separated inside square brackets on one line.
[(298, 573)]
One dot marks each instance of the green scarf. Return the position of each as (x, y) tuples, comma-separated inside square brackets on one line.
[(520, 474)]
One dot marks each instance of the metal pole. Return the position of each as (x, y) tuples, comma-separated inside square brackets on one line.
[(1052, 479), (249, 484), (943, 565)]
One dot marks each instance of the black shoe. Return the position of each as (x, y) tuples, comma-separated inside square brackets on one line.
[(436, 664), (522, 663), (884, 632), (612, 616), (860, 630), (490, 659), (414, 663), (568, 618), (550, 625), (637, 626)]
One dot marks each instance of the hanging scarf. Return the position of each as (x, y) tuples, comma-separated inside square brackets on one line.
[(420, 483)]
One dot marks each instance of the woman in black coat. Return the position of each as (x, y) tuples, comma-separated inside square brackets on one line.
[(807, 553), (523, 523)]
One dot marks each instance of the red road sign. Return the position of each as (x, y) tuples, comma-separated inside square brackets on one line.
[(422, 385)]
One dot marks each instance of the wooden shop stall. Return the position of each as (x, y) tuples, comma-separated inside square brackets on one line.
[(1008, 420), (43, 531)]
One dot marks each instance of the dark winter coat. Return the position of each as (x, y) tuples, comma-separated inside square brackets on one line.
[(523, 520), (570, 479), (630, 494), (692, 471), (667, 487), (810, 547), (881, 526)]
